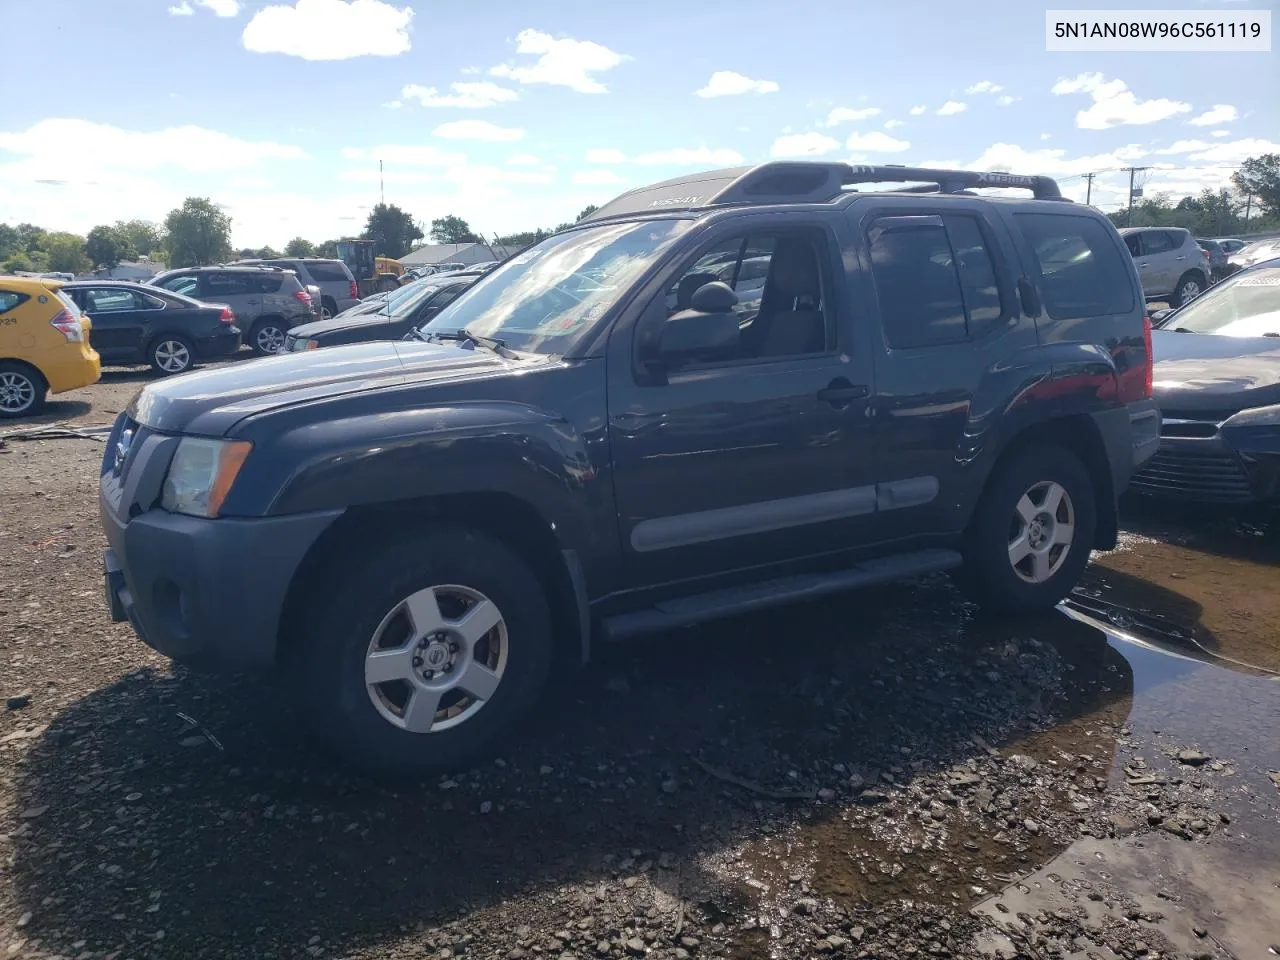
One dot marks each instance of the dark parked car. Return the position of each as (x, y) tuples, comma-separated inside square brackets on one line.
[(137, 324), (1217, 380), (267, 301), (404, 310), (1219, 266), (415, 531)]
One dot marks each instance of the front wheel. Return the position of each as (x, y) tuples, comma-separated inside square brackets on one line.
[(426, 655), (1032, 533), (267, 337)]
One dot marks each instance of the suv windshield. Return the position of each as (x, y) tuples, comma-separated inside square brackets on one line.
[(544, 299), (1246, 305)]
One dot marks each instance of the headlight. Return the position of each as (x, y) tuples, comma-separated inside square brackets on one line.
[(300, 345), (201, 474), (1257, 417)]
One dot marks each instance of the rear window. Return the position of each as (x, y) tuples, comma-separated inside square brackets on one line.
[(1082, 271), (328, 270)]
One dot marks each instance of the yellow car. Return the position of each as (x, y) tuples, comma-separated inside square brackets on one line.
[(44, 345)]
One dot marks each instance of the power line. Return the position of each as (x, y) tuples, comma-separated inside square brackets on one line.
[(1132, 170)]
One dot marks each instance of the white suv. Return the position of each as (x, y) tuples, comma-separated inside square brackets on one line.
[(1171, 264)]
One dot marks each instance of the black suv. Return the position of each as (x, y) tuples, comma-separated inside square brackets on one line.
[(604, 438)]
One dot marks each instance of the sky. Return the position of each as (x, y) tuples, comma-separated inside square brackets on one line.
[(516, 115)]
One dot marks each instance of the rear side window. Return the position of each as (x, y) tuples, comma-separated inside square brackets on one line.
[(328, 270), (9, 300), (935, 279), (1082, 271), (268, 283), (184, 283), (227, 284)]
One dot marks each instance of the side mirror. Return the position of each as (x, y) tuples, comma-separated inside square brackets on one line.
[(691, 335), (714, 297), (1159, 315)]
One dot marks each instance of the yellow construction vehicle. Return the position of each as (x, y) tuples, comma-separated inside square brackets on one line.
[(373, 274)]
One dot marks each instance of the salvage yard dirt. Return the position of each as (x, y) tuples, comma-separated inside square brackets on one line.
[(880, 775)]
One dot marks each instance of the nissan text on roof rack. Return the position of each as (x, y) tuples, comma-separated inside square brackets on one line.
[(624, 429)]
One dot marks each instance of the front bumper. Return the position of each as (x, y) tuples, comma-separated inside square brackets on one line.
[(209, 592), (1224, 466)]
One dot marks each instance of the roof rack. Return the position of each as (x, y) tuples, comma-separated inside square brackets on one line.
[(791, 181)]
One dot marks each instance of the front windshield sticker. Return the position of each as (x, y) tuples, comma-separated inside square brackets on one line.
[(1259, 281)]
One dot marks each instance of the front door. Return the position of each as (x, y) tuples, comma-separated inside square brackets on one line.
[(759, 455), (120, 318)]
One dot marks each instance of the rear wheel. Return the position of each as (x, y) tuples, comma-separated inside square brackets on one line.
[(267, 337), (328, 308), (22, 390), (171, 354), (1190, 286), (426, 655), (1032, 533)]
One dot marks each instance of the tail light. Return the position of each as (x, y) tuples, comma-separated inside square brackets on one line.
[(68, 326), (302, 297), (355, 290), (226, 316), (1148, 385), (1136, 382)]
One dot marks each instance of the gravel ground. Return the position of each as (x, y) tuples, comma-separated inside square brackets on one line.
[(881, 775)]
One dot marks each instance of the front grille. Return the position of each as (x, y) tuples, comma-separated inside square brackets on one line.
[(1205, 475), (1202, 429)]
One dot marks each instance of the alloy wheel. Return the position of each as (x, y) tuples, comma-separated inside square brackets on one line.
[(17, 392), (436, 659), (172, 356), (269, 338), (1041, 531)]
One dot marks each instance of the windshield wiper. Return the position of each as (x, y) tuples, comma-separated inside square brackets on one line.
[(1182, 330), (492, 343), (415, 334)]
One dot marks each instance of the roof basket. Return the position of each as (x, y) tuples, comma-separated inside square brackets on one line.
[(790, 181)]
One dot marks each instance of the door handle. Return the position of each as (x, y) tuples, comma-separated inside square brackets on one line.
[(1179, 258), (840, 392)]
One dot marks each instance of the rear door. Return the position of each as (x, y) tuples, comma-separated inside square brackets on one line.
[(1160, 255), (235, 288), (940, 281)]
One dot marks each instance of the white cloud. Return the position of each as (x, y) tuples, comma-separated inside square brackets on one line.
[(1234, 152), (727, 83), (1052, 162), (522, 160), (411, 155), (876, 142), (469, 95), (917, 111), (850, 115), (950, 108), (183, 9), (685, 156), (1046, 136), (894, 124), (1114, 104), (984, 86), (481, 130), (803, 145), (561, 62), (1006, 100), (596, 178), (330, 29), (1221, 113), (221, 8), (606, 155), (1184, 146), (1220, 133), (189, 148)]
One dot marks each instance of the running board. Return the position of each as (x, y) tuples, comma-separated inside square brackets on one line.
[(686, 611)]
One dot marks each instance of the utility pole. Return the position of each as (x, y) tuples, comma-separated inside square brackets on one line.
[(1248, 205), (382, 186), (1088, 192), (1132, 170)]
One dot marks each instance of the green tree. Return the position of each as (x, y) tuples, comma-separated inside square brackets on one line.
[(31, 237), (67, 253), (1259, 177), (197, 233), (587, 211), (267, 253), (10, 240), (106, 247), (17, 262), (299, 247), (144, 236), (392, 230), (451, 229)]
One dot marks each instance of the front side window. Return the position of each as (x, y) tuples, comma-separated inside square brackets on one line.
[(111, 300), (548, 297), (778, 281), (1082, 271), (1157, 241)]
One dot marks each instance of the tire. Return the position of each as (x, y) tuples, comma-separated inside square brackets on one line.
[(171, 354), (328, 308), (266, 337), (22, 390), (1004, 525), (367, 614), (1190, 285)]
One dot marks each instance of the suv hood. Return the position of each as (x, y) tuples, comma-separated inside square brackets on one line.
[(210, 402), (1211, 376)]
